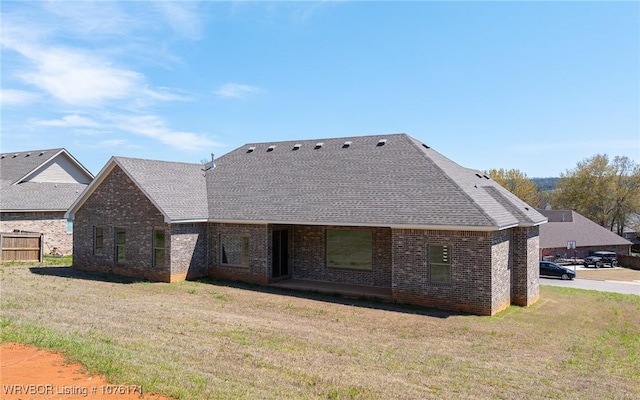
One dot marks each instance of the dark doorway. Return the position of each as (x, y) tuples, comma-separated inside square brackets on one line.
[(280, 253)]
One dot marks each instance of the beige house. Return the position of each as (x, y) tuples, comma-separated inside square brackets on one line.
[(36, 189)]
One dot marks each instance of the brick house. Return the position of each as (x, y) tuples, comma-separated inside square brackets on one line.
[(378, 211), (567, 226), (36, 189)]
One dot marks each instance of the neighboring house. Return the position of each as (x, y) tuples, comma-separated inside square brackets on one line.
[(567, 229), (384, 211), (36, 189)]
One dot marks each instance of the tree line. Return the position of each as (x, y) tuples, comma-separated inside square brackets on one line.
[(607, 191)]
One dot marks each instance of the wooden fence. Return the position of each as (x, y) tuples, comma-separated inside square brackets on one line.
[(629, 262), (21, 246)]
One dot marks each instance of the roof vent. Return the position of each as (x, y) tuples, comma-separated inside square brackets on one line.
[(273, 146), (296, 146), (486, 177), (27, 155), (479, 176), (526, 208), (41, 153), (2, 157), (251, 149), (381, 142), (318, 145), (425, 146), (346, 144), (14, 156)]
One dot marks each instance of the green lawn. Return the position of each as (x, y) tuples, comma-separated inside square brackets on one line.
[(220, 340)]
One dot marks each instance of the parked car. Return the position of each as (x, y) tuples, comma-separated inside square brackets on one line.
[(547, 268), (601, 259)]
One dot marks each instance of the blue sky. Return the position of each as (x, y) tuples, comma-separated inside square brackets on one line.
[(536, 86)]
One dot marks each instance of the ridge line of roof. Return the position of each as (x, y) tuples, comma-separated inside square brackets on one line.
[(413, 141), (154, 160), (323, 138)]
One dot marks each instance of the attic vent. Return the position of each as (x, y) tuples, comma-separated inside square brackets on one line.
[(381, 142), (2, 157), (346, 144), (42, 153), (479, 176), (251, 149), (271, 148), (526, 208), (27, 155), (425, 146), (486, 177), (14, 156), (296, 146), (319, 145)]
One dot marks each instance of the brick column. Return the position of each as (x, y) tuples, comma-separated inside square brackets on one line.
[(525, 266)]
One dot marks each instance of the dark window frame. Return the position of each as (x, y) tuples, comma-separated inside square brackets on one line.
[(120, 245), (439, 265), (98, 240), (244, 259), (336, 240), (157, 249)]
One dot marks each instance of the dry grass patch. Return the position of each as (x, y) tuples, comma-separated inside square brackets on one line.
[(210, 340), (606, 274)]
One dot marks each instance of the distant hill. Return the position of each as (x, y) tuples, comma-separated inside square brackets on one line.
[(545, 184)]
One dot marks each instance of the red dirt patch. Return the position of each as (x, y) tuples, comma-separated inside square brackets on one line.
[(27, 372)]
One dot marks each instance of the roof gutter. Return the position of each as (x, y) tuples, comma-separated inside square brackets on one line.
[(372, 225)]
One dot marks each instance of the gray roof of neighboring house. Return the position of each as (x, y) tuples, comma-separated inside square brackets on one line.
[(18, 194), (567, 225), (15, 166), (178, 190), (30, 196), (359, 181)]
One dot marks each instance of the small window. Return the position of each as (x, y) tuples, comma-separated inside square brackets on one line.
[(121, 241), (439, 264), (349, 249), (159, 248), (234, 250), (69, 225), (98, 240)]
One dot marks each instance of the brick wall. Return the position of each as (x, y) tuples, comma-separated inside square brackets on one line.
[(52, 223), (502, 252), (188, 251), (471, 284), (117, 202), (526, 265), (309, 257), (259, 244)]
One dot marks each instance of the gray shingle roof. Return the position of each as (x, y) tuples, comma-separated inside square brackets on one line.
[(44, 196), (19, 195), (567, 225), (15, 166), (356, 181), (177, 189)]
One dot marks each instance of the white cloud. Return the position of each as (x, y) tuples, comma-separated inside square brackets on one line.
[(70, 121), (79, 79), (114, 143), (183, 17), (66, 52), (154, 127), (235, 90), (15, 97)]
